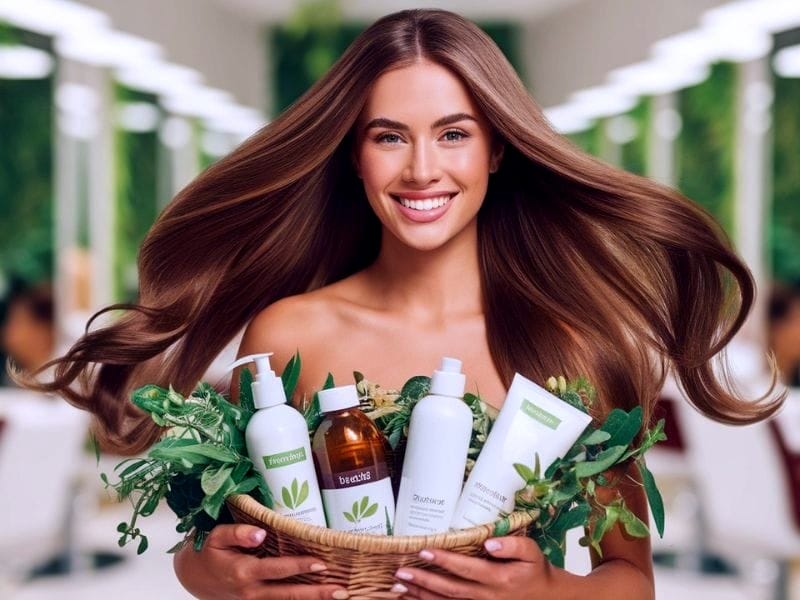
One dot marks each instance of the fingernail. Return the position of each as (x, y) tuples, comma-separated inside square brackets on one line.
[(399, 588), (258, 536), (492, 545), (404, 575), (317, 567), (340, 595), (426, 555)]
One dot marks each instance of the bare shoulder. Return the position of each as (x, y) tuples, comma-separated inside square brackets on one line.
[(306, 323)]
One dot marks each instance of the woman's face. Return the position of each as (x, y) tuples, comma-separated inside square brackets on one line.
[(424, 152)]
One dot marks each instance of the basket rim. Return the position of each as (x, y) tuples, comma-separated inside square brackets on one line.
[(380, 544)]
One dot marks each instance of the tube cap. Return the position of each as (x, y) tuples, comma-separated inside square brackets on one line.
[(448, 380), (267, 387), (337, 398)]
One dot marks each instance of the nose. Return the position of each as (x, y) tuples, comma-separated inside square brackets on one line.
[(423, 165)]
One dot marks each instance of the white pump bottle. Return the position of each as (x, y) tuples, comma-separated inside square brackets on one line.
[(436, 455), (278, 444)]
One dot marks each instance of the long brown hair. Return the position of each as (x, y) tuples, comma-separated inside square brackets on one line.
[(585, 268)]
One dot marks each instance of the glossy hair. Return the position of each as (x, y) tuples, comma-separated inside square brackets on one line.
[(586, 269)]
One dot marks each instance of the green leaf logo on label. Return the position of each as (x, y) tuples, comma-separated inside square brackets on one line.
[(361, 510), (294, 495)]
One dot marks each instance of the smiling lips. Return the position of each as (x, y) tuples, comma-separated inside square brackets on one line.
[(423, 201)]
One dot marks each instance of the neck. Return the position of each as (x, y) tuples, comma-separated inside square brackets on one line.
[(429, 285)]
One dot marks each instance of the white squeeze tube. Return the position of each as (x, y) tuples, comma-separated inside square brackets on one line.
[(531, 422), (278, 444)]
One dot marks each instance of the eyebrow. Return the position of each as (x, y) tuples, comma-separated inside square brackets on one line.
[(448, 120)]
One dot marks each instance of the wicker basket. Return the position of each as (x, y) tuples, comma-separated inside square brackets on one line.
[(364, 564)]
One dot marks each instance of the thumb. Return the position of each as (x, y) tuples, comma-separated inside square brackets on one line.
[(515, 548), (236, 536)]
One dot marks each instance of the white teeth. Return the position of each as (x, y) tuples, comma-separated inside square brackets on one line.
[(427, 204)]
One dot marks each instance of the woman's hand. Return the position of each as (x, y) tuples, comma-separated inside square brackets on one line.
[(220, 570), (523, 572)]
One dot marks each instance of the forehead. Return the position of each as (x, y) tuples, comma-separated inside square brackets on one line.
[(418, 94)]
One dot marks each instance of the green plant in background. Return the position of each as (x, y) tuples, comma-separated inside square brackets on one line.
[(784, 226), (588, 140), (305, 47), (706, 143), (136, 178), (26, 171), (633, 154)]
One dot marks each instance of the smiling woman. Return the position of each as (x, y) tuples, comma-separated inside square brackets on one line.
[(322, 233)]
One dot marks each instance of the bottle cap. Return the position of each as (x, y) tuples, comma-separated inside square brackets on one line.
[(267, 387), (337, 398), (448, 380)]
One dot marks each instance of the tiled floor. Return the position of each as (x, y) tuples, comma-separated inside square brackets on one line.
[(150, 575)]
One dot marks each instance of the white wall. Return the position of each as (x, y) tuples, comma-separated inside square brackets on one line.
[(576, 47), (228, 49)]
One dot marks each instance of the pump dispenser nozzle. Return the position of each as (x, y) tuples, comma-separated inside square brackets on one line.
[(267, 387), (448, 380)]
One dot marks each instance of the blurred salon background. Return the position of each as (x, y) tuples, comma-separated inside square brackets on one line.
[(108, 108)]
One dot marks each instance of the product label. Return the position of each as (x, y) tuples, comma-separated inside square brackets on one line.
[(291, 479), (423, 513), (347, 479), (539, 414), (366, 508), (282, 459)]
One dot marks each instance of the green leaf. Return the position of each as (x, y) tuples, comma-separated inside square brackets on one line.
[(196, 453), (525, 472), (389, 528), (295, 492), (286, 496), (290, 375), (122, 527), (653, 497), (604, 461), (593, 437), (627, 430), (142, 545), (416, 388), (213, 479), (364, 503), (554, 553), (349, 517), (329, 384), (501, 527), (371, 510), (303, 493), (356, 512), (246, 391), (95, 446), (633, 525)]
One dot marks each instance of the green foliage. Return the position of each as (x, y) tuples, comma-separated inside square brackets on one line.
[(566, 495), (706, 143), (784, 229), (634, 153), (26, 178), (199, 463), (588, 140), (136, 180), (306, 46)]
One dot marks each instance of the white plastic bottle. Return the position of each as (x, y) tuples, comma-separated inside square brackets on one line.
[(279, 446), (436, 455)]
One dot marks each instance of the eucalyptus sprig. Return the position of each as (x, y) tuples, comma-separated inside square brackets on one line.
[(566, 494)]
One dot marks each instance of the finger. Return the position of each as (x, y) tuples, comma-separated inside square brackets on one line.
[(298, 592), (443, 585), (466, 567), (281, 567), (514, 547), (226, 537), (414, 592)]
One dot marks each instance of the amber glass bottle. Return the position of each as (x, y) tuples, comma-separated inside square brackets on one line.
[(350, 458)]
